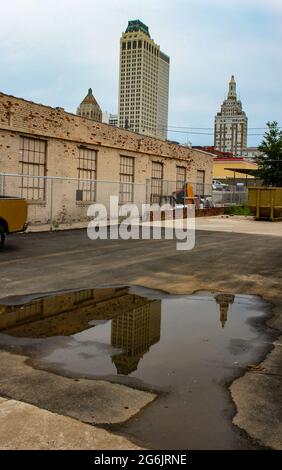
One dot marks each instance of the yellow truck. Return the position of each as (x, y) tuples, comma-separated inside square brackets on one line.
[(13, 216)]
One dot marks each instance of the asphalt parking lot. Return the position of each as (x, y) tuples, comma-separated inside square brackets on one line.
[(42, 262)]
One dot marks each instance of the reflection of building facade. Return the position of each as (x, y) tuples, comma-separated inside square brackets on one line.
[(66, 314), (135, 320), (224, 300), (134, 332)]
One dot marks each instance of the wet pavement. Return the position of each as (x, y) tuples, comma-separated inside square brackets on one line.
[(186, 348)]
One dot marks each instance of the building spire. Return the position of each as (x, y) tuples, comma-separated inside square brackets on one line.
[(232, 89), (89, 108), (231, 124), (224, 301)]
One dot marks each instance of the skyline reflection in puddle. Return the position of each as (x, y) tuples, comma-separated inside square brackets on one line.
[(124, 331)]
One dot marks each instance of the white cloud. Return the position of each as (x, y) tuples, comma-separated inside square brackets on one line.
[(53, 50), (275, 5)]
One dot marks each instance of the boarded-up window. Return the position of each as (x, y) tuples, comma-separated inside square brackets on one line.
[(200, 183), (87, 160), (157, 182), (33, 165), (180, 177), (126, 178)]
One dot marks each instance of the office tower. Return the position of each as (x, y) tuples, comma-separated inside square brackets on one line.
[(231, 124), (143, 82)]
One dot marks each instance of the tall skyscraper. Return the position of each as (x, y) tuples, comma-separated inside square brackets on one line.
[(89, 107), (143, 82), (231, 124)]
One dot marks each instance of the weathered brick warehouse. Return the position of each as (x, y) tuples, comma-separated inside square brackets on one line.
[(89, 160)]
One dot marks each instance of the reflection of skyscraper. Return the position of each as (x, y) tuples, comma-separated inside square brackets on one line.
[(136, 321), (67, 313), (224, 300), (134, 332)]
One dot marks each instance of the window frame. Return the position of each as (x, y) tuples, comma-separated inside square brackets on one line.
[(180, 182), (32, 147), (87, 173), (157, 179), (200, 185), (126, 179)]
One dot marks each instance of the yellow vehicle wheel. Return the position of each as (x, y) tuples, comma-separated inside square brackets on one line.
[(2, 236)]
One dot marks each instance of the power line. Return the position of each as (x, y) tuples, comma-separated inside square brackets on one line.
[(208, 128), (186, 127), (169, 129), (195, 130)]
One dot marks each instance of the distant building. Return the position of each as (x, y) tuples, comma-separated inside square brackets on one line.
[(89, 108), (211, 149), (163, 88), (231, 124), (251, 152), (143, 83), (111, 119), (234, 168), (248, 154)]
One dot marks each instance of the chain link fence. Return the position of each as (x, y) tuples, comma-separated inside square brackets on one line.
[(60, 200), (230, 198)]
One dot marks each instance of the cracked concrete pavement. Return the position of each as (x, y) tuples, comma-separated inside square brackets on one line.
[(27, 427)]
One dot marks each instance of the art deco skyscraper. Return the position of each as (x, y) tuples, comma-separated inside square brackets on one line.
[(231, 124), (89, 107), (143, 83)]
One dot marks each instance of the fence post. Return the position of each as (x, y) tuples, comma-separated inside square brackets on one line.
[(51, 202), (148, 198), (1, 185)]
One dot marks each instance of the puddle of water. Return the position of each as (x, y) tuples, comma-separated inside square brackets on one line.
[(185, 346)]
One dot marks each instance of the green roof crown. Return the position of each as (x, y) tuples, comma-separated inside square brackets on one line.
[(137, 25)]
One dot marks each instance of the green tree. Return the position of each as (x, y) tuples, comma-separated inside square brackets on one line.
[(270, 160)]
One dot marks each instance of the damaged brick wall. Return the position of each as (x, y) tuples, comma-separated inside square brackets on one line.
[(65, 132)]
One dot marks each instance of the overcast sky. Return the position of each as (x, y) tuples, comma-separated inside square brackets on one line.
[(52, 51)]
